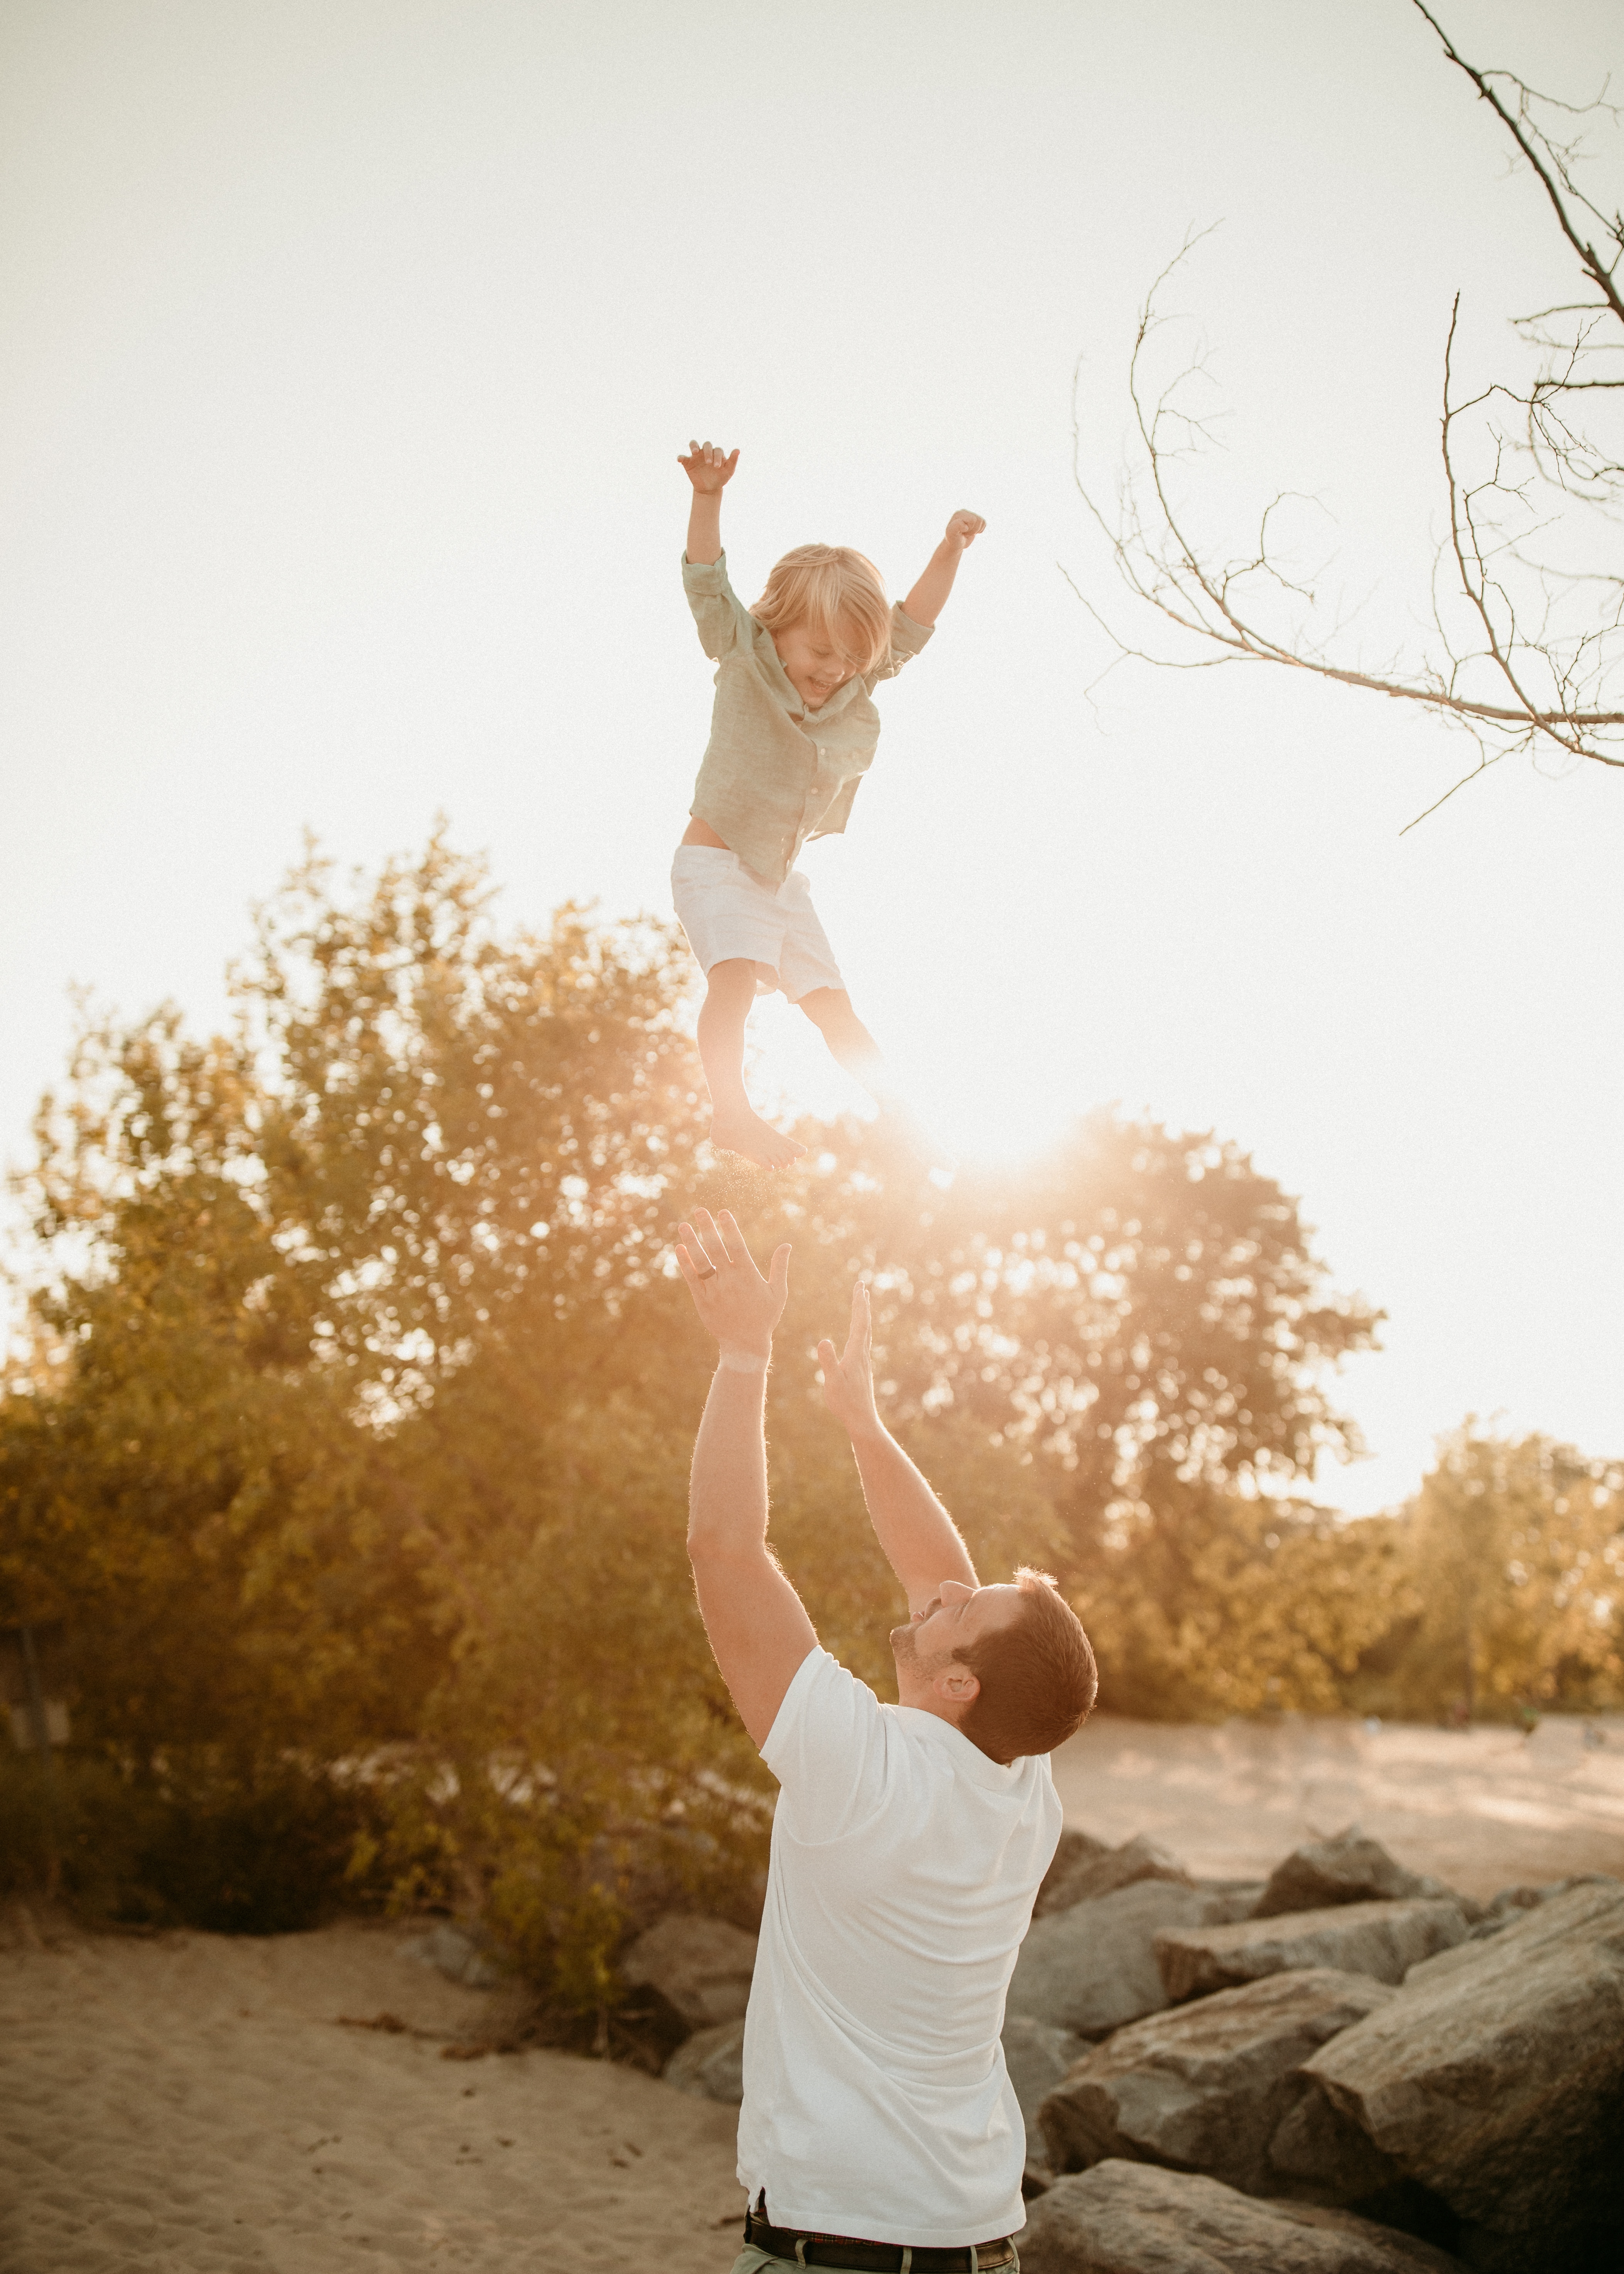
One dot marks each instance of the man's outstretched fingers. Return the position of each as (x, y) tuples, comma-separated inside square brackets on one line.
[(734, 1246), (778, 1273), (691, 1255), (708, 1239)]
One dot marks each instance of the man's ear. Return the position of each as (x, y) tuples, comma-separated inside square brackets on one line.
[(956, 1685)]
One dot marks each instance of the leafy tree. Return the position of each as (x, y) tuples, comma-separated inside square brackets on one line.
[(1136, 1309), (1211, 1603), (358, 1431), (1516, 1548)]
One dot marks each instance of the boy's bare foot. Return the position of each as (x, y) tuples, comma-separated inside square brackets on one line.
[(735, 1129)]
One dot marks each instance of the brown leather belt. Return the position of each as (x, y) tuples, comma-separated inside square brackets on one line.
[(804, 2250)]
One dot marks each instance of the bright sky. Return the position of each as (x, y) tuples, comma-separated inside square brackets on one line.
[(347, 351)]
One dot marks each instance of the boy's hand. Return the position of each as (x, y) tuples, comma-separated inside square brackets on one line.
[(963, 529), (740, 1308), (708, 468), (848, 1379)]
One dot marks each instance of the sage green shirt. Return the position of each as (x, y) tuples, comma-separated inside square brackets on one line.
[(774, 772)]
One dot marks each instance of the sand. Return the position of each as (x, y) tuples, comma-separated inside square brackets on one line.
[(1481, 1809), (190, 2103)]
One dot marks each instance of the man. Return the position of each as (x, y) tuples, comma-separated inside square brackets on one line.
[(879, 2128)]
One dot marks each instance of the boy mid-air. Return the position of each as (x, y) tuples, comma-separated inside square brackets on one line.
[(793, 733)]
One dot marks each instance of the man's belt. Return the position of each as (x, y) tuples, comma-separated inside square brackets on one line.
[(805, 2249)]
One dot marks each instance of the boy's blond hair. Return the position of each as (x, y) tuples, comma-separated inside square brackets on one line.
[(836, 592)]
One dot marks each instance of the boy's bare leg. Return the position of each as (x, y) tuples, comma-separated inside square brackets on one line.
[(850, 1043), (734, 1126)]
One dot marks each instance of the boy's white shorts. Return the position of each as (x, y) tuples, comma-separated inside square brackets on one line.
[(727, 913)]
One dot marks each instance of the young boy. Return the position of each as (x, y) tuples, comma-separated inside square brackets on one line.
[(793, 733)]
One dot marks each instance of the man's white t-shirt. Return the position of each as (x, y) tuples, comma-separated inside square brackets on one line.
[(905, 1864)]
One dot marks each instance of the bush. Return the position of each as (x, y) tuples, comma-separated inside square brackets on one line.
[(269, 1852)]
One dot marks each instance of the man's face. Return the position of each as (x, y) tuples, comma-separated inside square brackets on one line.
[(944, 1628)]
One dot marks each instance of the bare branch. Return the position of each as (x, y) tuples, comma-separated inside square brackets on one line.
[(1511, 497)]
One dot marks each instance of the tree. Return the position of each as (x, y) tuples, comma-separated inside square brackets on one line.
[(1516, 1552), (265, 1254), (1135, 1307), (359, 1431), (1216, 1603), (1529, 614)]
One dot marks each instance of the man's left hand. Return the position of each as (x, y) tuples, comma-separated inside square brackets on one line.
[(740, 1308)]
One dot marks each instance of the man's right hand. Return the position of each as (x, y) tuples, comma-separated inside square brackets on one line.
[(708, 467), (848, 1379)]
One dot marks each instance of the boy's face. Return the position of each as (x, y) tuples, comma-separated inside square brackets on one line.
[(813, 666)]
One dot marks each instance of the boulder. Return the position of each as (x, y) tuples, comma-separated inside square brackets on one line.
[(1075, 1848), (710, 2065), (455, 1954), (1092, 1967), (700, 1968), (1205, 2088), (1227, 1900), (1102, 1873), (1346, 1869), (1037, 2057), (1382, 1939), (1318, 2153), (1496, 2080), (1136, 2218)]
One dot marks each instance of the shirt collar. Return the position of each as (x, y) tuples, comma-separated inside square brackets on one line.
[(968, 1759)]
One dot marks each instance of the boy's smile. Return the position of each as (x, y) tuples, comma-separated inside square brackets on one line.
[(813, 666)]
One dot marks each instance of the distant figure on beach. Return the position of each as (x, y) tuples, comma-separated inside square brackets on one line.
[(793, 733), (909, 1841)]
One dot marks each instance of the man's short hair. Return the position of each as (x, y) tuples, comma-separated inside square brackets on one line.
[(1037, 1674)]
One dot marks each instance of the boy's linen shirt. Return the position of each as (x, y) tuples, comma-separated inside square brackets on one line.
[(905, 1865), (775, 773)]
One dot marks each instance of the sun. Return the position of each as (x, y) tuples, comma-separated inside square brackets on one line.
[(993, 1116), (990, 1103)]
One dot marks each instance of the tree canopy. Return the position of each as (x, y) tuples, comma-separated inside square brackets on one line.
[(355, 1429)]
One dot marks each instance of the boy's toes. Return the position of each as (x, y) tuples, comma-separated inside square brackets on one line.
[(747, 1133)]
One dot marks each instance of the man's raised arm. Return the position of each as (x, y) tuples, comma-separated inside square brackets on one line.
[(757, 1625), (921, 1539)]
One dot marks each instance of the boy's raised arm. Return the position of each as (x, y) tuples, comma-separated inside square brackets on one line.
[(928, 598), (922, 1542), (709, 469)]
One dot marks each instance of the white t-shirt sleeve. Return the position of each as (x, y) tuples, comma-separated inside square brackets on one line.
[(829, 1748)]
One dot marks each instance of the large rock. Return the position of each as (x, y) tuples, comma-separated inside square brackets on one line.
[(1229, 1899), (1205, 2088), (455, 1954), (1101, 1873), (1075, 1850), (1504, 1909), (1037, 2057), (1093, 1968), (1135, 2218), (1383, 1939), (710, 2065), (1496, 2080), (1321, 2155), (1347, 1869), (700, 1968)]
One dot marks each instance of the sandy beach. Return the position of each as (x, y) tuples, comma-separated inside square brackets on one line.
[(192, 2104)]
